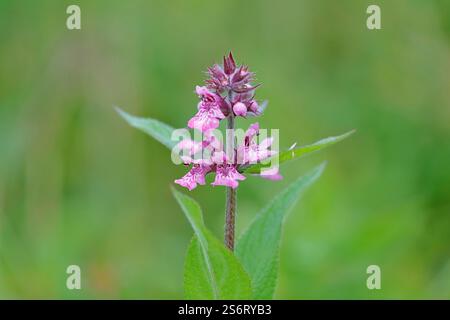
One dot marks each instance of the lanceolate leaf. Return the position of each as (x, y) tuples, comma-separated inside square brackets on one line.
[(298, 152), (211, 270), (157, 129), (258, 247)]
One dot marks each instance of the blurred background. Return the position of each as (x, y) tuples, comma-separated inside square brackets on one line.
[(79, 186)]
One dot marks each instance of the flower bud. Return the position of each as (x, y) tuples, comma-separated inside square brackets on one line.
[(240, 109), (228, 64), (253, 106)]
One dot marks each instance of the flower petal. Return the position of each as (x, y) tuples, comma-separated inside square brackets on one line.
[(227, 175), (195, 176), (203, 121)]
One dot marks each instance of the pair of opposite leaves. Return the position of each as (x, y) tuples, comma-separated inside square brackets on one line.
[(211, 270)]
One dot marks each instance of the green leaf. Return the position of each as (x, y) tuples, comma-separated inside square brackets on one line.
[(298, 152), (156, 129), (211, 270), (258, 247)]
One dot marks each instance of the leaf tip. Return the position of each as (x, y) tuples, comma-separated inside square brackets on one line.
[(351, 132), (318, 170), (126, 116), (321, 167), (119, 110), (348, 134)]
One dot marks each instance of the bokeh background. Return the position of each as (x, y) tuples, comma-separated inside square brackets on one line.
[(79, 186)]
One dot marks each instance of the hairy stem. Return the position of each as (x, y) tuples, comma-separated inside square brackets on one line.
[(230, 218), (230, 213)]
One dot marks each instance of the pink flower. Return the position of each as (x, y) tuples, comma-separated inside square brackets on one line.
[(271, 174), (195, 176), (209, 113), (252, 131), (227, 175), (189, 147), (251, 152), (258, 152)]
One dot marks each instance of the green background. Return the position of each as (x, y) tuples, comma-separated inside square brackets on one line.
[(79, 186)]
